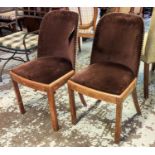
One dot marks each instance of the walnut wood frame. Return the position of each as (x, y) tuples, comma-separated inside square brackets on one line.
[(116, 99), (49, 88)]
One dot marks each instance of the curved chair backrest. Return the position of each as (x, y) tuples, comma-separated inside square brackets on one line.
[(118, 39), (57, 36), (150, 41)]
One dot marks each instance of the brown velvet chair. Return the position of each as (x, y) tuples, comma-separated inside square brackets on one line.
[(56, 59), (112, 73)]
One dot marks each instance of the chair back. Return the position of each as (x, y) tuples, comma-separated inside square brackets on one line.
[(118, 39), (58, 33)]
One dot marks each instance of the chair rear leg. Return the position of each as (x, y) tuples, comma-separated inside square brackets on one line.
[(146, 80), (18, 96), (72, 105), (53, 112), (134, 96), (118, 121), (79, 44), (82, 99)]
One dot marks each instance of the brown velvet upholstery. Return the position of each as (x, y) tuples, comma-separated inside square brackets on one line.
[(44, 70), (107, 77), (57, 35), (56, 48), (118, 39), (115, 54)]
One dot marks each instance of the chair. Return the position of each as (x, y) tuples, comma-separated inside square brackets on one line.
[(23, 41), (56, 59), (112, 73), (148, 55), (87, 22)]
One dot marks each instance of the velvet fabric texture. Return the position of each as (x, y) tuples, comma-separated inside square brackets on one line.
[(56, 48), (44, 70), (115, 54), (106, 77), (57, 35)]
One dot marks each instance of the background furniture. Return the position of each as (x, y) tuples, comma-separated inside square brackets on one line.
[(148, 55), (8, 18), (56, 59), (112, 73), (87, 22), (25, 40), (130, 10)]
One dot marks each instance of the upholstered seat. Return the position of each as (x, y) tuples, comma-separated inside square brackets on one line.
[(15, 41), (44, 70), (109, 77)]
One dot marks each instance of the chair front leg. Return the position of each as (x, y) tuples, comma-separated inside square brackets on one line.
[(18, 96), (118, 121), (134, 96), (51, 101), (72, 105), (146, 80)]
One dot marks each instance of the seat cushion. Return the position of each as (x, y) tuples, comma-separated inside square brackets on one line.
[(44, 70), (15, 41), (107, 77)]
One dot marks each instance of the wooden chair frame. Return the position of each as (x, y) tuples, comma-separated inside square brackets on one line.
[(116, 99), (49, 88)]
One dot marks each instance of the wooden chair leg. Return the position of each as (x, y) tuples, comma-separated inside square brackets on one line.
[(53, 112), (79, 44), (18, 96), (146, 80), (82, 99), (118, 122), (134, 96), (72, 105)]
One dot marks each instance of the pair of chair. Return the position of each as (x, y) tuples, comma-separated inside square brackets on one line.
[(111, 75)]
